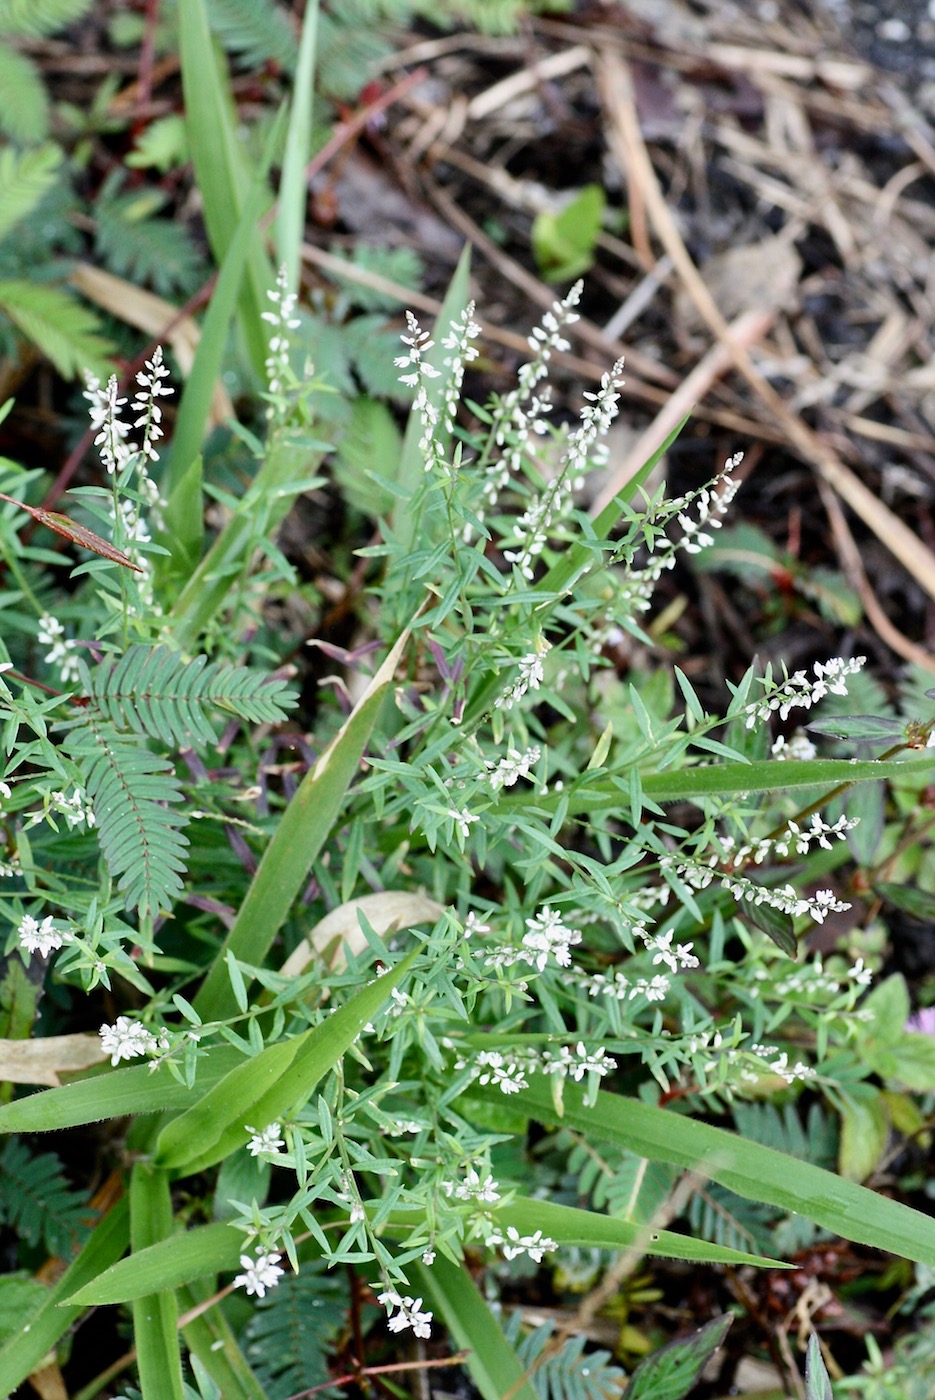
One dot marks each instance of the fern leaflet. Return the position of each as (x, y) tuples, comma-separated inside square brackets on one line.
[(134, 794), (255, 31), (25, 176), (567, 1372), (37, 1202), (31, 19), (64, 331), (156, 693), (144, 249), (292, 1332), (24, 104)]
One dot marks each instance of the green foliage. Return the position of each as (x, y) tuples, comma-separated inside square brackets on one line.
[(66, 332), (672, 1371), (37, 1202), (255, 32), (33, 19), (25, 177), (292, 1332), (134, 243), (564, 242), (24, 106), (565, 1372)]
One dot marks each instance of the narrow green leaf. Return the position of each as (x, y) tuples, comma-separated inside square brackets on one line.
[(817, 1380), (184, 515), (869, 729), (672, 1371), (495, 1368), (759, 1173), (114, 1094), (210, 1338), (193, 1254), (25, 1351), (219, 164), (303, 830), (270, 1086), (156, 1315), (293, 189), (776, 924), (919, 903)]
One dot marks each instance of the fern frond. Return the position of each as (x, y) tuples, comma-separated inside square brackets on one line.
[(25, 177), (720, 1216), (134, 794), (157, 693), (255, 32), (144, 249), (347, 50), (569, 1372), (37, 1202), (63, 329), (24, 103), (293, 1331), (31, 19)]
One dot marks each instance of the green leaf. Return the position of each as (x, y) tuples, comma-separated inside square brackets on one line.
[(495, 1368), (220, 166), (774, 923), (65, 331), (869, 729), (563, 244), (26, 1350), (192, 1254), (33, 19), (293, 186), (751, 1170), (135, 795), (25, 176), (302, 832), (672, 1371), (270, 1085), (157, 693), (865, 1130), (919, 903), (817, 1380), (116, 1093), (155, 1315), (24, 104)]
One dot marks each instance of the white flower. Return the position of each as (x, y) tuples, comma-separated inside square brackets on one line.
[(473, 1189), (462, 819), (42, 938), (530, 677), (126, 1039), (473, 924), (407, 1313), (268, 1140), (548, 935), (516, 765), (51, 633), (260, 1273), (514, 1244)]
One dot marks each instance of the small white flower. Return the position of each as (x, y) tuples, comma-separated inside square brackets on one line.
[(406, 1312), (428, 1258), (126, 1039), (268, 1140), (259, 1274), (514, 1244), (462, 819), (42, 938)]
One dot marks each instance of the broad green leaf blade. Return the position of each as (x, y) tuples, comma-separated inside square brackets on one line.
[(23, 1353), (759, 1173), (220, 168), (194, 1254), (293, 189), (303, 830), (117, 1093), (588, 1229), (270, 1085), (495, 1368), (672, 1371), (868, 729), (156, 1315), (919, 903)]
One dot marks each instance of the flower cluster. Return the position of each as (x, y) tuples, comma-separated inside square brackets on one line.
[(798, 691), (799, 746), (42, 938), (405, 1312), (418, 372), (513, 1244), (260, 1273), (517, 764), (622, 989), (529, 678), (62, 652), (460, 341), (792, 840), (126, 1039), (508, 1071), (699, 876), (282, 320), (473, 1189)]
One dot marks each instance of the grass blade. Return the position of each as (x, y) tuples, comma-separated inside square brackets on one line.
[(155, 1315), (303, 830), (757, 1172), (293, 192)]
